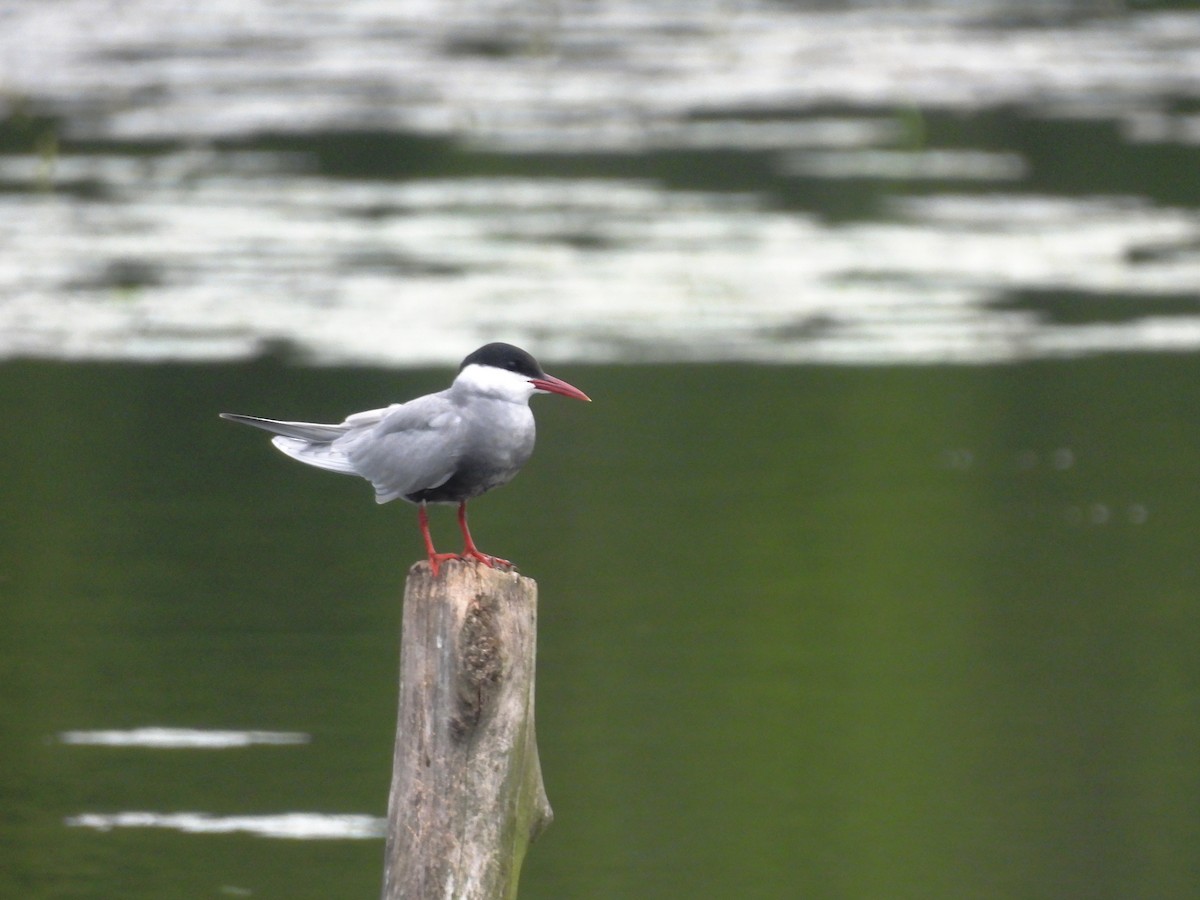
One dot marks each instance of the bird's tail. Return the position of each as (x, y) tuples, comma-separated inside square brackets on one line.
[(305, 431), (307, 442)]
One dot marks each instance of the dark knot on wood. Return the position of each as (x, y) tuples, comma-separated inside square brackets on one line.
[(478, 680)]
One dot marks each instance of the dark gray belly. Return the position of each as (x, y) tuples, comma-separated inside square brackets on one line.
[(470, 480)]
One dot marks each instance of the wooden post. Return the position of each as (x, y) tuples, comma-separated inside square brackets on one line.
[(467, 796)]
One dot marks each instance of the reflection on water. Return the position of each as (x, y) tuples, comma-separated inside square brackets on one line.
[(386, 184), (221, 264), (591, 76), (291, 826), (179, 738), (926, 165)]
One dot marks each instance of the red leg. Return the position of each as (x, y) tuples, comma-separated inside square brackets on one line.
[(435, 559), (470, 549)]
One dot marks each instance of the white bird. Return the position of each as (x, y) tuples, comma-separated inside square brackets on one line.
[(447, 447)]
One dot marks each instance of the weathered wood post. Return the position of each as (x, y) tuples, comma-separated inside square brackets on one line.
[(467, 796)]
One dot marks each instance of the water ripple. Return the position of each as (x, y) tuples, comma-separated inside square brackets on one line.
[(159, 738), (291, 826)]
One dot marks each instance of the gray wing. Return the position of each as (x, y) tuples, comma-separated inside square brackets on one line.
[(415, 446)]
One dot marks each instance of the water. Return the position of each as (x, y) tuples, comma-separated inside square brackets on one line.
[(868, 574), (895, 632), (824, 183)]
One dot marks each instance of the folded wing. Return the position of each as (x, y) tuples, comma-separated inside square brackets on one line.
[(401, 449), (414, 447)]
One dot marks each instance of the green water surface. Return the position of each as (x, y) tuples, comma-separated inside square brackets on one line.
[(804, 632)]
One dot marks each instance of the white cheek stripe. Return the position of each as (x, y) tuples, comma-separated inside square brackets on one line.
[(498, 382)]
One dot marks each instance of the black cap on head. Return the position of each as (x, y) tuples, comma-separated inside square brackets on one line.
[(504, 356)]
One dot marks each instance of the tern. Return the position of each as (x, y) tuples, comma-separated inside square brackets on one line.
[(447, 447)]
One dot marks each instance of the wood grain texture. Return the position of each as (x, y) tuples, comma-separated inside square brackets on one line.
[(467, 796)]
